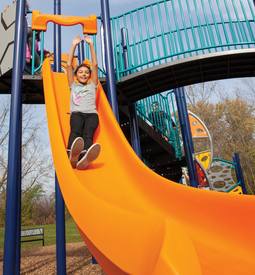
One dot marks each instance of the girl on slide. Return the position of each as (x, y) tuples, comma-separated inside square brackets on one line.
[(84, 118)]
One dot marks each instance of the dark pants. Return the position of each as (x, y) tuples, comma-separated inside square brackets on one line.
[(83, 125)]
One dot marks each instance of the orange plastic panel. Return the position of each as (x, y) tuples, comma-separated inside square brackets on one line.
[(40, 21), (137, 222), (197, 128)]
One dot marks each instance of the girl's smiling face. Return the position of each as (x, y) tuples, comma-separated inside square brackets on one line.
[(83, 74)]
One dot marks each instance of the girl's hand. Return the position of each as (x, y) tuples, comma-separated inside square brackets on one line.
[(88, 39), (76, 41)]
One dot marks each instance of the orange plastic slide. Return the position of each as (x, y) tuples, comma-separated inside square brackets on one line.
[(133, 220)]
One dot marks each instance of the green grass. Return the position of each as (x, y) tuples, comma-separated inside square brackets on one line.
[(72, 235)]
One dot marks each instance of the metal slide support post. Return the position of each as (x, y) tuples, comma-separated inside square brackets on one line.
[(19, 201), (82, 51), (186, 134), (57, 38), (109, 63), (18, 248), (134, 128), (14, 160), (124, 39), (79, 54), (59, 202), (239, 172), (60, 230)]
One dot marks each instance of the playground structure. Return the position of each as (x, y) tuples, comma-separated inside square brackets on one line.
[(159, 224)]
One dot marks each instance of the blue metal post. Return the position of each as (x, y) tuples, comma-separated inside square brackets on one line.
[(57, 38), (79, 54), (124, 40), (239, 172), (19, 202), (18, 243), (93, 260), (59, 202), (60, 230), (82, 51), (186, 134), (14, 155), (109, 63), (134, 128)]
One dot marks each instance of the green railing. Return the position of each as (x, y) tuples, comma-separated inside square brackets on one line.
[(159, 111), (168, 30)]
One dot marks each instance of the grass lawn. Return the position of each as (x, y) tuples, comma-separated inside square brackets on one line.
[(72, 235)]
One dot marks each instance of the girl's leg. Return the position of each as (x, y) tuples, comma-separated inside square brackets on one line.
[(76, 123), (91, 123)]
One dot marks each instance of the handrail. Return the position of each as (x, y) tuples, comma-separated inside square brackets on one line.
[(36, 69), (162, 119), (225, 161), (188, 28), (157, 33)]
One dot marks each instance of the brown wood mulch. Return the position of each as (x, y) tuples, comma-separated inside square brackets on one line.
[(42, 260)]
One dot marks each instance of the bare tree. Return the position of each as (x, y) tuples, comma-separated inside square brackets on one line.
[(231, 122), (200, 92), (248, 90), (36, 161)]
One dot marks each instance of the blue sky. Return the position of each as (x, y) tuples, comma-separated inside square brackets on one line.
[(79, 8)]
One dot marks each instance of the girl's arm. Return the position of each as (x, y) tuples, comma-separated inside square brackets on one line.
[(94, 66), (69, 69)]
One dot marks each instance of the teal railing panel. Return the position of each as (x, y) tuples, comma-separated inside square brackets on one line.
[(159, 111), (37, 57), (169, 30)]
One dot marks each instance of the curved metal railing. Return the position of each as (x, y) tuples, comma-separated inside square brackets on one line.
[(173, 29), (159, 111)]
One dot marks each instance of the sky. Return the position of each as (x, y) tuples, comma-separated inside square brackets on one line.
[(77, 8), (85, 8)]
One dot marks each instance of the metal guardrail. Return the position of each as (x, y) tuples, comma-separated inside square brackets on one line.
[(173, 29), (159, 111)]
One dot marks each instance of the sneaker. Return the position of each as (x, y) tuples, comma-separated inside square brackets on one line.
[(76, 148), (90, 156)]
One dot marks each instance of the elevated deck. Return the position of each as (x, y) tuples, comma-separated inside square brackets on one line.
[(214, 66), (32, 88), (198, 69)]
